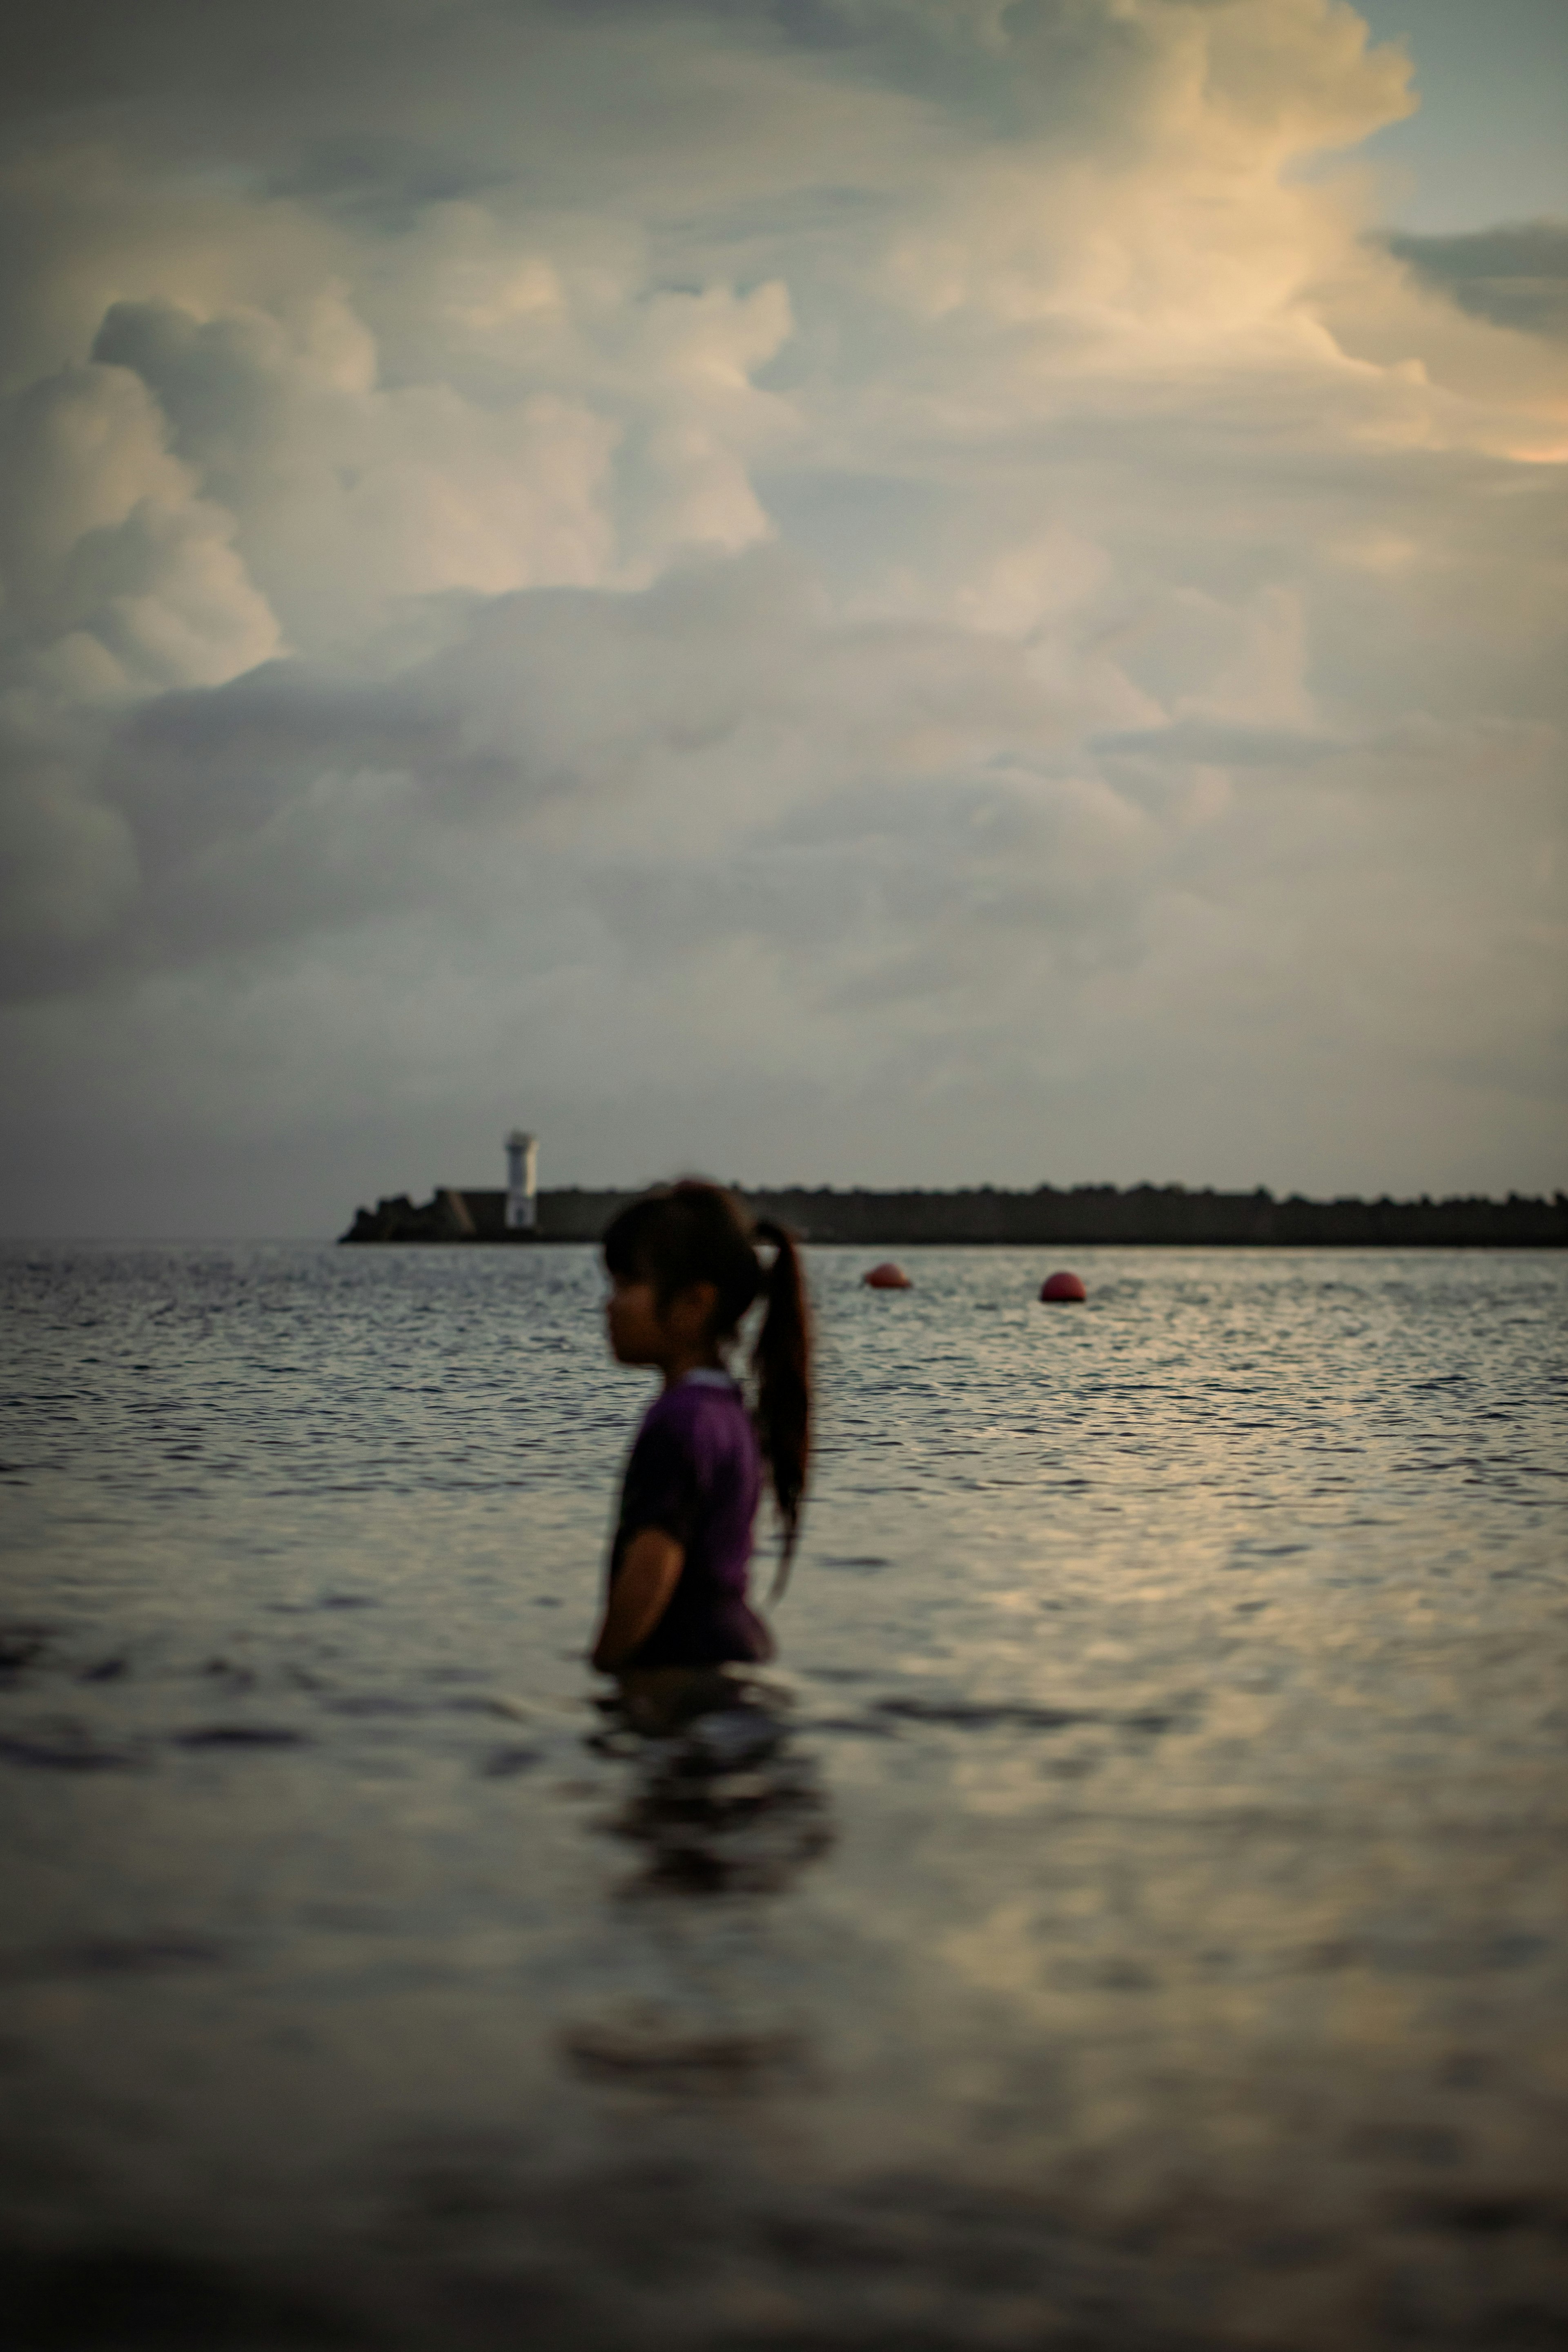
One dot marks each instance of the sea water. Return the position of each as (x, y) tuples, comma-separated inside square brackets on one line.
[(1131, 1912)]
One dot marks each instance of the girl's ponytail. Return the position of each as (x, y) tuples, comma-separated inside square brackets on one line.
[(782, 1361)]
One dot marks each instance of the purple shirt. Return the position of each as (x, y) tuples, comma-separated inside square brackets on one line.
[(696, 1473)]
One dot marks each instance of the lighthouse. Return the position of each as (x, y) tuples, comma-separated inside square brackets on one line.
[(521, 1182)]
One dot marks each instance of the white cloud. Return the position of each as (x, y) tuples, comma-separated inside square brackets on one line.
[(104, 536), (825, 557)]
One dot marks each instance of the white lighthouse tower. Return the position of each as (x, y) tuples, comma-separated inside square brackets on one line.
[(521, 1182)]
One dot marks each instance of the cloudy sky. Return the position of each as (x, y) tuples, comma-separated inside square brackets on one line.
[(902, 591)]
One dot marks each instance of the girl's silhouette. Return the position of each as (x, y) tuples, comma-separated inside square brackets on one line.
[(684, 1268)]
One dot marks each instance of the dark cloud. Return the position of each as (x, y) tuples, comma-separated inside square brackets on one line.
[(292, 800), (222, 407), (1217, 745), (381, 180), (1515, 275)]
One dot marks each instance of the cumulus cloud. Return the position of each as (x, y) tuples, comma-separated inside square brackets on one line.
[(900, 585)]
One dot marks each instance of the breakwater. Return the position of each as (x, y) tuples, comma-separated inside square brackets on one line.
[(1088, 1214)]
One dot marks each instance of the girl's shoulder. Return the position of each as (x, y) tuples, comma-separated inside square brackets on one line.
[(703, 1401)]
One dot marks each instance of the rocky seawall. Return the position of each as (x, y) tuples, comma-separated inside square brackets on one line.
[(1089, 1213)]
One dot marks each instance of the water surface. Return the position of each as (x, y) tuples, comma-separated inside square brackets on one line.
[(1148, 1930)]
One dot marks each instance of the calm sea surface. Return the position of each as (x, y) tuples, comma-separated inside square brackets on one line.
[(1133, 1914)]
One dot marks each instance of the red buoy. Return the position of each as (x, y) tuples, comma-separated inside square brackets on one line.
[(1063, 1286), (887, 1276)]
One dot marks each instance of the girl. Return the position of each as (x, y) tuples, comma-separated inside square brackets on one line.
[(683, 1267)]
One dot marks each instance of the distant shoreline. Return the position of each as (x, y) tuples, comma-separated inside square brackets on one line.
[(1088, 1215)]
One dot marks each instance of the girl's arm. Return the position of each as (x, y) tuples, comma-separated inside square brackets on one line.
[(650, 1573)]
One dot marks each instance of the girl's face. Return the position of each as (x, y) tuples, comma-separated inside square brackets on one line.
[(634, 1324), (643, 1332)]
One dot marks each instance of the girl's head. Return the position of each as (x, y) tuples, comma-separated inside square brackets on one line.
[(684, 1268)]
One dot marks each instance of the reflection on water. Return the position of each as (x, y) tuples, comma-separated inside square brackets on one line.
[(724, 1802), (1131, 1912)]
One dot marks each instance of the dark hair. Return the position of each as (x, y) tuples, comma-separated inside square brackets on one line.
[(696, 1232)]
